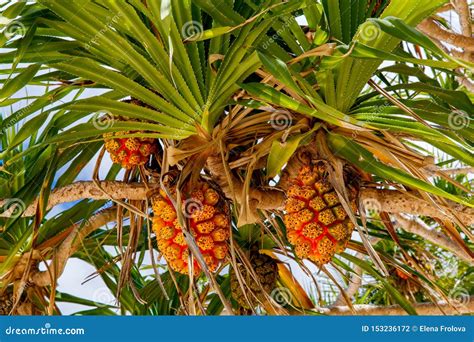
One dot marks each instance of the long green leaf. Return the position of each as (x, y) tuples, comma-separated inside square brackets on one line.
[(17, 83), (359, 156), (396, 295)]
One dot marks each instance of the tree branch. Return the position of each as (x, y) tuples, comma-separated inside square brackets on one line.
[(85, 190), (395, 310), (391, 201), (429, 27), (464, 81), (355, 282), (445, 8), (462, 9), (397, 202), (234, 187), (67, 248), (420, 229), (458, 170)]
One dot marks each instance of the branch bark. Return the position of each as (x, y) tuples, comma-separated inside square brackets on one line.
[(438, 238), (391, 201), (397, 202), (458, 170), (462, 9), (82, 190), (445, 8), (395, 310), (234, 187), (67, 248), (355, 282), (464, 81), (429, 27)]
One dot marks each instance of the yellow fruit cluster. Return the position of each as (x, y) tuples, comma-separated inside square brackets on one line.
[(209, 224), (129, 152), (317, 224)]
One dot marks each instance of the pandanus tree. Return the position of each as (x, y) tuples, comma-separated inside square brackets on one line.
[(259, 156)]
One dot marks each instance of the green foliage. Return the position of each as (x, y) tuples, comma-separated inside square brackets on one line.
[(218, 75)]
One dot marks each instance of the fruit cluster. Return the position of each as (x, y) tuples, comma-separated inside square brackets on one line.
[(209, 223), (266, 271), (317, 224)]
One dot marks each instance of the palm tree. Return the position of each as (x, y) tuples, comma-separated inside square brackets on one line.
[(236, 107)]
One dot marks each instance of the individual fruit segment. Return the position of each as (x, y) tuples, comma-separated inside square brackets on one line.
[(317, 224), (265, 269), (209, 221)]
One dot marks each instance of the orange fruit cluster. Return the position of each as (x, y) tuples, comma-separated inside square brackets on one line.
[(129, 152), (317, 224), (209, 221)]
